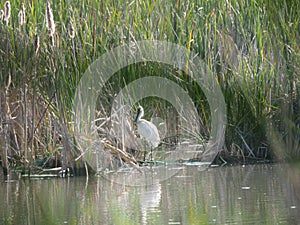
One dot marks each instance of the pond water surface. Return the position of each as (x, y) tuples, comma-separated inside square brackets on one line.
[(251, 194)]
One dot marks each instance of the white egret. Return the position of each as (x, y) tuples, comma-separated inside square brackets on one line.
[(147, 129)]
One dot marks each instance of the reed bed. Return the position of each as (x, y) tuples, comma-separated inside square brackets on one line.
[(252, 47)]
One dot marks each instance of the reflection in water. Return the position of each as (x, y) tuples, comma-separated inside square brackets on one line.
[(252, 194), (149, 201)]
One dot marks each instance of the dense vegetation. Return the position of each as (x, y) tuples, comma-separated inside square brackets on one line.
[(252, 47)]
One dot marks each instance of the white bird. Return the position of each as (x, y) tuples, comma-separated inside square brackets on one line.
[(147, 129)]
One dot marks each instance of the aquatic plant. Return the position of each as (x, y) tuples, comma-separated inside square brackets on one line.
[(252, 51), (22, 15), (7, 12)]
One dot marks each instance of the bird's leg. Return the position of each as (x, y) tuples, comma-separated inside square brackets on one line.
[(144, 151)]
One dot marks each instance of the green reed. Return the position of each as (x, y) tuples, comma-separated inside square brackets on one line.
[(252, 47)]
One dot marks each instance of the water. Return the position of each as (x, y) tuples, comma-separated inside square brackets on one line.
[(252, 194)]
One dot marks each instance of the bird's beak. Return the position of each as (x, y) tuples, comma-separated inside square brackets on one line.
[(135, 120), (137, 115)]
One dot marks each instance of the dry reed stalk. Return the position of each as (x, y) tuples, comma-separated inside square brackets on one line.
[(129, 159), (36, 43), (24, 114), (36, 46), (3, 131), (50, 24)]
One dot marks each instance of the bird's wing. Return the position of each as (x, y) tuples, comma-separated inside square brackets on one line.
[(149, 132)]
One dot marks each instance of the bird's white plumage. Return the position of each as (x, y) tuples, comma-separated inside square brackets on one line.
[(147, 129)]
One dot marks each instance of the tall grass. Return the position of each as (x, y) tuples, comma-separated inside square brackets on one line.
[(251, 46)]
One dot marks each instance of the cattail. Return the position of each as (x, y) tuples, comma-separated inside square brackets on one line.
[(20, 18), (6, 11), (49, 20), (71, 30), (21, 15), (1, 15), (36, 43)]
